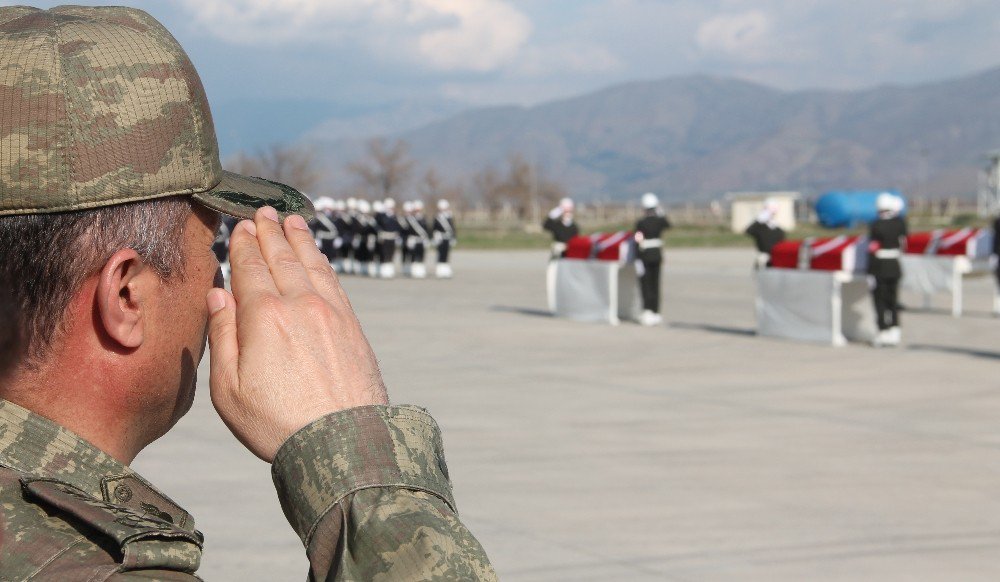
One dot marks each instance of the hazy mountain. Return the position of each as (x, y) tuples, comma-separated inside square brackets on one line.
[(696, 137)]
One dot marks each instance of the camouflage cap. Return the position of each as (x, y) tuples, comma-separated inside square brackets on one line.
[(101, 106)]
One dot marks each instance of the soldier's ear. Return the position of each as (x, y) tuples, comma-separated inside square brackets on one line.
[(121, 298)]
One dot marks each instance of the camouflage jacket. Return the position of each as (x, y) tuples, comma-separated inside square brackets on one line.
[(70, 512)]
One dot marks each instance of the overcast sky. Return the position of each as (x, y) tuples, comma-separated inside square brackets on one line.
[(360, 53)]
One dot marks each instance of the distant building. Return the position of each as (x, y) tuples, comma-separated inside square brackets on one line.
[(745, 206)]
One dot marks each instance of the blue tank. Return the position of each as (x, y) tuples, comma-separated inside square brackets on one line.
[(850, 208)]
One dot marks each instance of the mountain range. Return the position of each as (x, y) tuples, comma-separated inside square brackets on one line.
[(696, 137)]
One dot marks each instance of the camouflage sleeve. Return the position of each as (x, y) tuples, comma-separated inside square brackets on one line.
[(367, 490)]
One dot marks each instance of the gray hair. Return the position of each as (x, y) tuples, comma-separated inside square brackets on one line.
[(44, 258)]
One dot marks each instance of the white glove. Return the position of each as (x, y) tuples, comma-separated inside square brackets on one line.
[(411, 243), (556, 212)]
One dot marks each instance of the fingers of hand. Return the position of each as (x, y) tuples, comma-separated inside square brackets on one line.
[(288, 272), (250, 274), (317, 267), (222, 338)]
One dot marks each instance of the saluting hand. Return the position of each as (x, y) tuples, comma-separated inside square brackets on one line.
[(286, 346)]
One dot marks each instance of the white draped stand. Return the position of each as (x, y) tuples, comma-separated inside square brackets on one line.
[(929, 275), (831, 307), (593, 291)]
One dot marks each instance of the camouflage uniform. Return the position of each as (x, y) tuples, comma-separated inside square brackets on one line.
[(70, 512)]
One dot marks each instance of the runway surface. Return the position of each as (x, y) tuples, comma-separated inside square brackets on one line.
[(694, 451)]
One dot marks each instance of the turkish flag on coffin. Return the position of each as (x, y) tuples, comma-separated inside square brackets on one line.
[(600, 246), (842, 253)]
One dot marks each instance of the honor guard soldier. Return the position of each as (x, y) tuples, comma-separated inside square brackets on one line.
[(405, 254), (996, 263), (445, 238), (351, 233), (649, 239), (887, 236), (765, 233), (221, 245), (419, 237), (324, 230), (562, 226), (364, 240), (389, 231), (343, 231)]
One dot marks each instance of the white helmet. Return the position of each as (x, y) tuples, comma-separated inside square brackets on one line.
[(418, 205), (389, 204), (443, 205), (650, 201), (364, 207), (900, 205), (352, 203), (566, 204), (885, 202), (407, 206), (323, 203), (339, 206), (378, 207)]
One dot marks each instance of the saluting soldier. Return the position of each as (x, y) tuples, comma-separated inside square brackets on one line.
[(649, 239), (445, 237), (116, 295), (888, 239), (765, 233), (563, 227)]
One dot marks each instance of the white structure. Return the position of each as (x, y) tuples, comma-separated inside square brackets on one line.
[(989, 186), (745, 206), (830, 307), (929, 275), (593, 291)]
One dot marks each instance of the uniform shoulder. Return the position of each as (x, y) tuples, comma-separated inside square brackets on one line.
[(52, 530), (32, 536)]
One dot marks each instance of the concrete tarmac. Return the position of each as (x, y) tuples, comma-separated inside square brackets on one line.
[(694, 451)]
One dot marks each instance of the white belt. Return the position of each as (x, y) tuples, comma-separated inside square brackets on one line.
[(385, 235), (888, 254), (651, 243)]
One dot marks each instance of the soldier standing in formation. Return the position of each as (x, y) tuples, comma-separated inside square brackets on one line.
[(562, 226), (765, 233), (324, 230), (417, 239), (445, 238), (648, 237), (221, 245), (405, 248), (996, 263), (887, 237), (389, 232)]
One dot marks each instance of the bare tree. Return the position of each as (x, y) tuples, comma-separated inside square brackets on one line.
[(524, 189), (433, 188), (386, 169), (290, 165)]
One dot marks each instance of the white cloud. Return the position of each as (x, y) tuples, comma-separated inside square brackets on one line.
[(447, 35), (743, 36)]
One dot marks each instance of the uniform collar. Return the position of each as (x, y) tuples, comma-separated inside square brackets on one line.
[(33, 445)]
